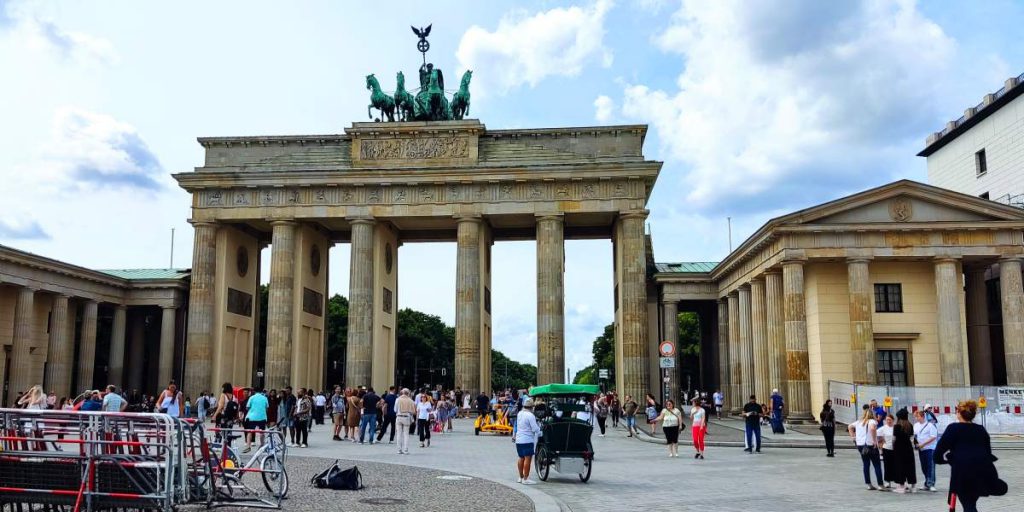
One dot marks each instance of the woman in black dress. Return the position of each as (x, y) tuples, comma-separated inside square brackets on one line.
[(828, 428), (904, 469), (967, 449)]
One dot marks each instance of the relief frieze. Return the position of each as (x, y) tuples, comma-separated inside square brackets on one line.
[(426, 148)]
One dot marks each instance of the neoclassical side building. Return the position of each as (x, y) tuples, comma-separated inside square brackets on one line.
[(904, 284)]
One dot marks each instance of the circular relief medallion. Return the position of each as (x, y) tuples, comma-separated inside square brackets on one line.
[(901, 209), (314, 260), (389, 258), (242, 261)]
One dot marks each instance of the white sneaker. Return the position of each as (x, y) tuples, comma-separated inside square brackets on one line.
[(600, 435), (528, 482), (519, 480), (932, 488)]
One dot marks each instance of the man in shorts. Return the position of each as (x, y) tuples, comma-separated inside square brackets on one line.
[(255, 417), (629, 408), (719, 400)]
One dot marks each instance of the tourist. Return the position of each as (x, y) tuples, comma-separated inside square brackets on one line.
[(967, 448), (864, 433), (405, 420), (879, 411), (719, 400), (827, 417), (752, 427), (885, 437), (255, 418), (652, 409), (319, 405), (698, 422), (525, 438), (423, 411), (354, 408), (285, 407), (388, 416), (33, 399), (68, 404), (466, 405), (671, 421), (170, 401), (615, 406), (601, 411), (629, 408), (368, 421), (301, 417), (201, 405), (51, 401), (483, 404), (92, 401), (227, 411), (113, 402), (338, 412), (274, 399), (925, 435), (903, 454), (777, 404)]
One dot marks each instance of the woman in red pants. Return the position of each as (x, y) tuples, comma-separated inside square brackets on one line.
[(699, 419)]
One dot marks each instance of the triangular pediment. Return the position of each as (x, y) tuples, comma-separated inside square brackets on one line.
[(904, 202)]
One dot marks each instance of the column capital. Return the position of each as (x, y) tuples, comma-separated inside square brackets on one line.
[(946, 259), (771, 271), (634, 214), (202, 223), (361, 220), (759, 277), (735, 294), (667, 302), (27, 288), (282, 222), (560, 217), (859, 259), (1009, 258), (168, 307), (475, 218), (745, 287)]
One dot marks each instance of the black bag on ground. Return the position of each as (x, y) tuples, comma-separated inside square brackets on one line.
[(337, 478)]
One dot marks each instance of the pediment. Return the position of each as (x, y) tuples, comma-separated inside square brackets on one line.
[(905, 202)]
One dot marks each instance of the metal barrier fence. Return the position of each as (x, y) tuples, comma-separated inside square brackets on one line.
[(1001, 407), (86, 461)]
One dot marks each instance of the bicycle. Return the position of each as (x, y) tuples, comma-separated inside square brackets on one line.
[(268, 460)]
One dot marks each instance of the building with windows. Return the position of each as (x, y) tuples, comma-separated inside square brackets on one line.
[(982, 152)]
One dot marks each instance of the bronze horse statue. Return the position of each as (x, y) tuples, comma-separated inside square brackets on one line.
[(378, 100)]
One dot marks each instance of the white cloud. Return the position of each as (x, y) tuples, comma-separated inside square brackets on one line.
[(525, 49), (20, 229), (35, 32), (603, 108), (778, 103)]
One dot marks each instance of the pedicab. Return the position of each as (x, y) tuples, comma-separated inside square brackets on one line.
[(497, 422), (564, 444)]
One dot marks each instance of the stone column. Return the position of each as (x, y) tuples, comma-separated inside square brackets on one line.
[(776, 330), (862, 334), (670, 310), (21, 351), (116, 374), (797, 362), (199, 343), (951, 348), (735, 393), (137, 353), (166, 362), (979, 342), (723, 346), (281, 305), (550, 299), (759, 335), (87, 346), (359, 352), (635, 349), (61, 351), (1012, 295), (746, 345), (467, 304)]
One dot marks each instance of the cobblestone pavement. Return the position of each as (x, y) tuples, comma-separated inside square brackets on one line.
[(632, 474)]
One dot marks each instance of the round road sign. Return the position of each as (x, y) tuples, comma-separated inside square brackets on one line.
[(667, 349)]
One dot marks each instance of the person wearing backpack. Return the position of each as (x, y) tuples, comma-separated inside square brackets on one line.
[(227, 410)]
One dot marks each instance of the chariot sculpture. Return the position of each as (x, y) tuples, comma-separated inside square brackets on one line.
[(429, 102)]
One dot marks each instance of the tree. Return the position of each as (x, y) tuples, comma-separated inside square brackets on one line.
[(509, 374), (604, 357), (425, 350), (337, 338)]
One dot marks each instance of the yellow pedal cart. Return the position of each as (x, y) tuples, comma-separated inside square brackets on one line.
[(499, 424)]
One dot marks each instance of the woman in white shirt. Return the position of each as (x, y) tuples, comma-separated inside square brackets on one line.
[(671, 420), (423, 410), (865, 434), (885, 438), (698, 419)]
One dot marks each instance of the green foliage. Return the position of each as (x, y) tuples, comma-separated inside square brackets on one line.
[(604, 349), (689, 334), (587, 375), (509, 374), (425, 350), (337, 337)]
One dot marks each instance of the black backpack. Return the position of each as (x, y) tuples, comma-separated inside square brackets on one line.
[(339, 479), (230, 410)]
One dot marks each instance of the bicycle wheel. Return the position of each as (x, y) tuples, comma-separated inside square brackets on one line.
[(275, 477)]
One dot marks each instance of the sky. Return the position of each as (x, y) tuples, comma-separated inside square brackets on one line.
[(756, 107)]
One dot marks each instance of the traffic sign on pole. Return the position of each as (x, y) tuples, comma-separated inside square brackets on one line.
[(667, 348)]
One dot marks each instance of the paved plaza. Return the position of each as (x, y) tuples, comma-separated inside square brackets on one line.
[(631, 474)]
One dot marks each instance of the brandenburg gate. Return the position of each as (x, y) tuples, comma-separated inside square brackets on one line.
[(383, 184)]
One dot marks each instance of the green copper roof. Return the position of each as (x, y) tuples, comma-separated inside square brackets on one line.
[(147, 273), (687, 267)]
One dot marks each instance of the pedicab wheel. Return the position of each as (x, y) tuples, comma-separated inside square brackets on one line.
[(476, 431), (585, 475), (275, 478), (542, 463)]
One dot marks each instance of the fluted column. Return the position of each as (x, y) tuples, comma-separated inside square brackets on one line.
[(136, 352), (746, 345), (862, 333), (60, 353), (735, 393), (87, 346), (467, 304), (759, 335), (21, 351), (199, 344), (723, 346), (776, 330), (359, 352), (979, 342), (550, 299), (670, 312), (1012, 295), (951, 351), (797, 362), (117, 332), (635, 349), (281, 305), (166, 362)]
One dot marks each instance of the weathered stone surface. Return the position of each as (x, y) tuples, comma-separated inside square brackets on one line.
[(1012, 290), (467, 305), (797, 363), (862, 334), (281, 305), (61, 352), (759, 338), (776, 330), (166, 356), (359, 363), (199, 346), (24, 310), (87, 345), (550, 299), (633, 289)]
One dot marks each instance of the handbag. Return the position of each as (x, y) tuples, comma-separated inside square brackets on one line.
[(339, 479)]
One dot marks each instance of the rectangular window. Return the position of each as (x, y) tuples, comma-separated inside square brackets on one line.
[(888, 298), (980, 165), (892, 368)]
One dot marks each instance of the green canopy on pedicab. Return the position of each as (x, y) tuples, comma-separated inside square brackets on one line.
[(565, 389)]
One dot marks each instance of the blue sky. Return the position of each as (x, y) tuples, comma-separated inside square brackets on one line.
[(757, 108)]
